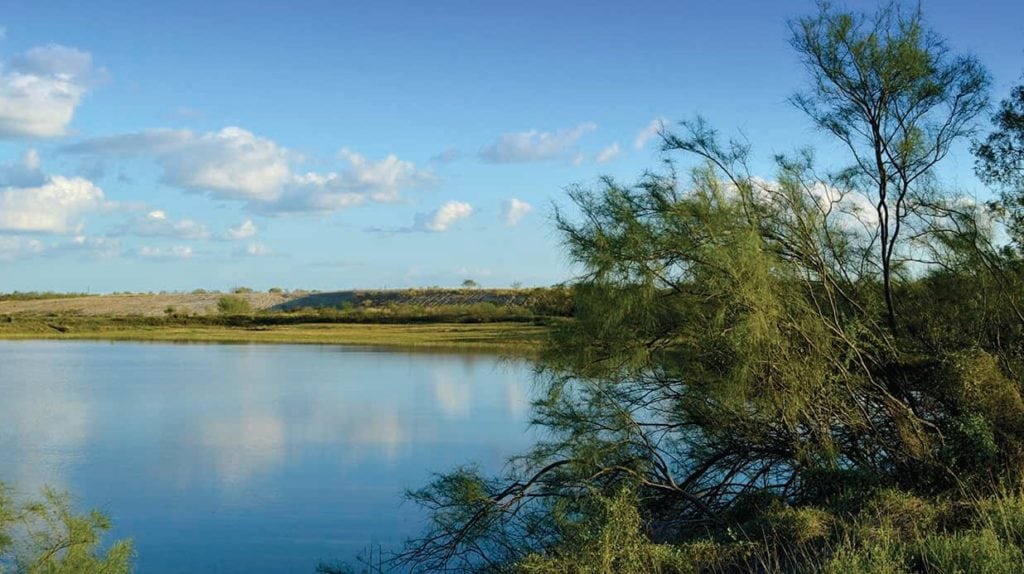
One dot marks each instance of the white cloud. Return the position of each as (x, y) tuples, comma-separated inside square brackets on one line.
[(650, 131), (20, 247), (231, 164), (172, 252), (56, 207), (96, 247), (41, 89), (365, 180), (513, 211), (157, 224), (316, 192), (535, 145), (255, 249), (25, 172), (442, 218), (236, 164), (17, 247), (380, 181), (244, 230), (609, 153)]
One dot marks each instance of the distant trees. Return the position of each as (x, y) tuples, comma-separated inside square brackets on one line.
[(470, 284)]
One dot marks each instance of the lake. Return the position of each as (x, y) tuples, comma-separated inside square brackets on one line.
[(251, 458)]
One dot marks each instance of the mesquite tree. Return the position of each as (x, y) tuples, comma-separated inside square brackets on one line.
[(898, 98), (731, 347), (1000, 160)]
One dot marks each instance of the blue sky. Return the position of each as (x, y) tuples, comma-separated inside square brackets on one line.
[(329, 145)]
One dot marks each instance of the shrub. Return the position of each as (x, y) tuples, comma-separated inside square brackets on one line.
[(231, 305), (45, 536), (610, 540)]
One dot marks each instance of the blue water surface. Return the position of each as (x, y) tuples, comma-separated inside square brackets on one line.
[(251, 458)]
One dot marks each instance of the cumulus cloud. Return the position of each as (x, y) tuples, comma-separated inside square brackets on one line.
[(41, 89), (95, 247), (314, 192), (230, 164), (255, 249), (157, 253), (609, 153), (57, 206), (25, 172), (650, 131), (243, 230), (157, 224), (236, 164), (18, 247), (513, 211), (381, 181), (442, 218), (14, 247), (534, 145)]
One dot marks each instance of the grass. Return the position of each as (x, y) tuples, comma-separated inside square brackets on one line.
[(434, 319), (504, 337)]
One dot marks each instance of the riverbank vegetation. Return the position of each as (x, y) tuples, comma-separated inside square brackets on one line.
[(821, 371), (47, 536), (499, 337), (505, 321)]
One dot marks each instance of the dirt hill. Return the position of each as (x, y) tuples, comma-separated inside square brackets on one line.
[(204, 303)]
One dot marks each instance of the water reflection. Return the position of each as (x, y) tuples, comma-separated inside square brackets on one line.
[(216, 457)]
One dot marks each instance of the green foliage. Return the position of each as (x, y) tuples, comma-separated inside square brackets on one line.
[(39, 295), (1000, 160), (47, 537), (736, 376), (610, 539), (898, 98), (233, 305), (969, 552)]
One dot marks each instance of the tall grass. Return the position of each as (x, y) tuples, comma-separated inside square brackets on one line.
[(891, 533)]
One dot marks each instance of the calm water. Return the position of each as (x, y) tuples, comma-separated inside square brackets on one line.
[(250, 458)]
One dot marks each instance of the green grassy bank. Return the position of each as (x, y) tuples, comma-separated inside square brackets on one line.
[(498, 336)]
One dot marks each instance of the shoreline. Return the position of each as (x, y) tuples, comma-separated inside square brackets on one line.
[(515, 338)]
